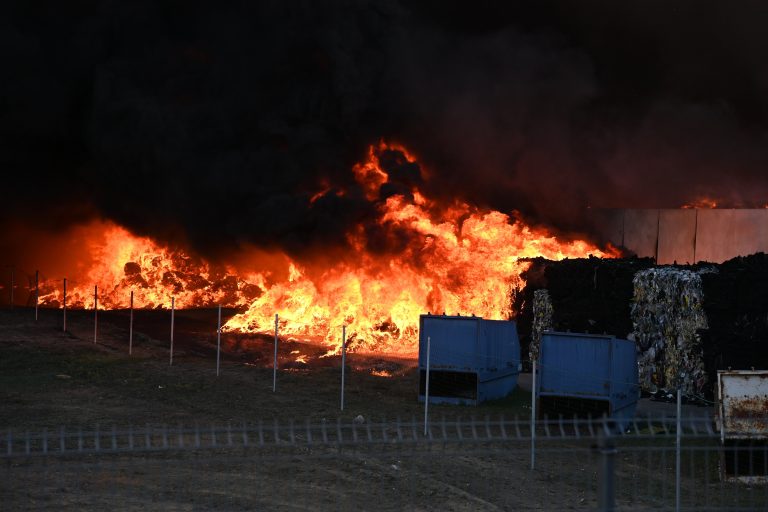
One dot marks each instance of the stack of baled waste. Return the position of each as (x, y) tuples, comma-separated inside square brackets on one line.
[(542, 321), (590, 295), (667, 311)]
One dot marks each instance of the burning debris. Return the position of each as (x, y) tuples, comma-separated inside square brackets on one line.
[(523, 115), (417, 255), (414, 255), (120, 263)]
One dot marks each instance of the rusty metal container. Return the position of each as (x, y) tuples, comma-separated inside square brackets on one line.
[(742, 404), (742, 417)]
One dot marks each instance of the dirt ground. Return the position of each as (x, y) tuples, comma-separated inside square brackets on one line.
[(51, 379)]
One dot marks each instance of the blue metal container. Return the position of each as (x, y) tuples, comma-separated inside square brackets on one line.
[(587, 375), (471, 359)]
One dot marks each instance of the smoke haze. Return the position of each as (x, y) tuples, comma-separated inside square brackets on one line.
[(214, 126)]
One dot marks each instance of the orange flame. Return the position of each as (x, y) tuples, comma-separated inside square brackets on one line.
[(121, 262), (457, 259), (454, 258), (702, 203)]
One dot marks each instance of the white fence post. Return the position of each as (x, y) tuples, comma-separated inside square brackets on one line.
[(343, 360), (426, 390), (173, 312), (130, 329), (95, 312), (533, 416), (606, 491), (678, 440), (274, 363), (65, 304), (218, 343), (37, 292)]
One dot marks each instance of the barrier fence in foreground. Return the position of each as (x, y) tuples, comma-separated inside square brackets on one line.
[(474, 464)]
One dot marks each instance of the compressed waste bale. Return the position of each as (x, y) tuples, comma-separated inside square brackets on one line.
[(590, 295), (542, 321), (593, 295), (667, 314)]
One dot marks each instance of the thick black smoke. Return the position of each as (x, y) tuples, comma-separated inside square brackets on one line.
[(215, 123)]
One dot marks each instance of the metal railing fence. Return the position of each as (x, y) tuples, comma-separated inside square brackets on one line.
[(462, 464)]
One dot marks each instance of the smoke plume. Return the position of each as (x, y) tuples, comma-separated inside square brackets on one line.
[(215, 126)]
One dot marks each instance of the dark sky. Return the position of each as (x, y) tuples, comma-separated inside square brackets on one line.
[(217, 121)]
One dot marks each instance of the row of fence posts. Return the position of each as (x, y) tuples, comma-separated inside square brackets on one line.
[(173, 313), (37, 289), (606, 448), (130, 327)]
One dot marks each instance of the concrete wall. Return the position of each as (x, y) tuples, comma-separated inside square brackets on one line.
[(641, 228), (677, 236), (686, 236), (724, 234)]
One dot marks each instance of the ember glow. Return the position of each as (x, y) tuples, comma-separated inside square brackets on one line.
[(455, 258), (702, 203)]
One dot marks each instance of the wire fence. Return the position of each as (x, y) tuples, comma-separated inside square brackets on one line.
[(470, 464)]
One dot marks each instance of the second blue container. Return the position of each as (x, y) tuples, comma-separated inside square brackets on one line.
[(587, 375)]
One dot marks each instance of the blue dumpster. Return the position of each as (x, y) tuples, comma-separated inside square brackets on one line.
[(587, 375), (471, 359)]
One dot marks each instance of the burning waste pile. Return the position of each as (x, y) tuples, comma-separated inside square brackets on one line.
[(687, 321), (121, 264), (416, 255), (404, 255)]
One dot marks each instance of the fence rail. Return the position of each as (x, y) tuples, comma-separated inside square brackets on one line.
[(474, 463), (64, 440)]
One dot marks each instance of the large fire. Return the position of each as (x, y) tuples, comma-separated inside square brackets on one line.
[(455, 259), (451, 258)]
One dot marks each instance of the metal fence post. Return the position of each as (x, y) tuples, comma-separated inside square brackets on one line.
[(173, 312), (64, 302), (130, 329), (218, 343), (343, 360), (605, 490), (95, 312), (533, 416), (274, 364), (678, 440), (426, 390), (37, 292)]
